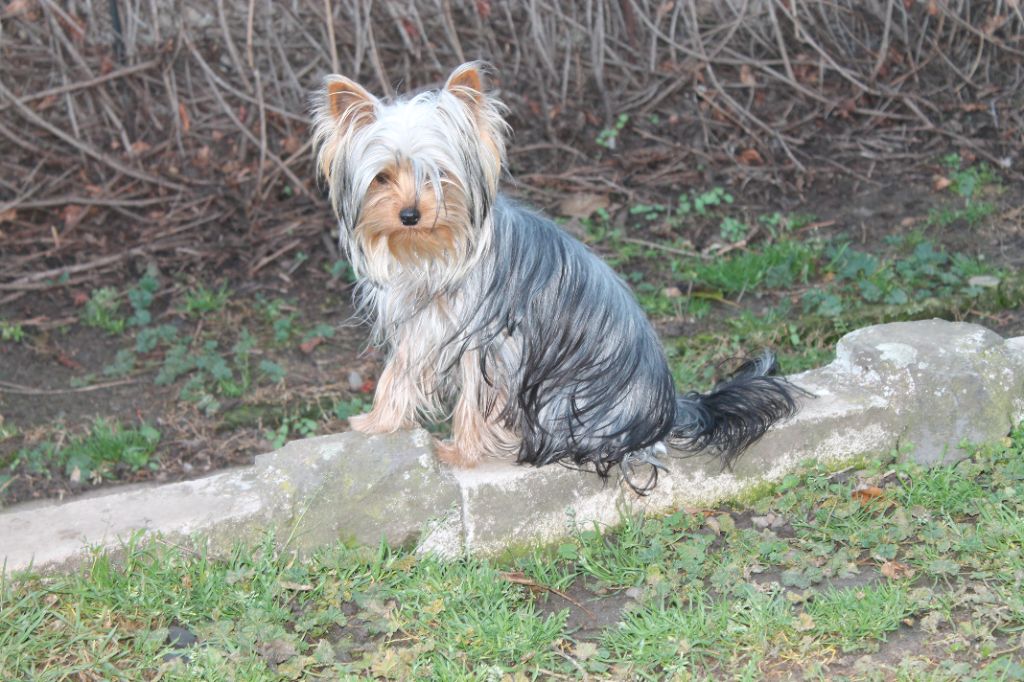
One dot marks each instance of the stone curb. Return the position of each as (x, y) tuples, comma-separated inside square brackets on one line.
[(932, 383)]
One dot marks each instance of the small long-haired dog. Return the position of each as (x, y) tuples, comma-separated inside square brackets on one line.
[(494, 316)]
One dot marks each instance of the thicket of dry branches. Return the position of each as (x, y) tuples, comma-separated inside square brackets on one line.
[(137, 127)]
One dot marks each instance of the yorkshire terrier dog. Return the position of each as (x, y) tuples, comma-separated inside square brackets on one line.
[(491, 314)]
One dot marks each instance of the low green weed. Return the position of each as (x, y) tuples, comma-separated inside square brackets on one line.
[(201, 300), (920, 274), (141, 297), (214, 373), (11, 331), (776, 265), (281, 318), (351, 407), (102, 311), (968, 183), (100, 453), (608, 137), (341, 269), (290, 428)]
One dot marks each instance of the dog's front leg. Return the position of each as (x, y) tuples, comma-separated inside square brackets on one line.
[(475, 430), (394, 402)]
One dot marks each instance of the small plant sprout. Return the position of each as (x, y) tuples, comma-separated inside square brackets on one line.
[(202, 300), (11, 331), (102, 311), (608, 137)]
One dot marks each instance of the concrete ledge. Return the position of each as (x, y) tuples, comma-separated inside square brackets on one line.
[(932, 383)]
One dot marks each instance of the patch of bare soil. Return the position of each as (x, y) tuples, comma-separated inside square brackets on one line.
[(54, 384)]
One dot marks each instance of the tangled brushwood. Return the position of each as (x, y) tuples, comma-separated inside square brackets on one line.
[(494, 315), (162, 119)]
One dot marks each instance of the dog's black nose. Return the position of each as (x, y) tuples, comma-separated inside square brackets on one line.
[(409, 216)]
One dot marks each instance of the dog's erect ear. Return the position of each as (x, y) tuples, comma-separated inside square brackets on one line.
[(348, 101), (466, 83)]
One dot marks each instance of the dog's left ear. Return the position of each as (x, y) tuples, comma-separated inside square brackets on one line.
[(466, 83)]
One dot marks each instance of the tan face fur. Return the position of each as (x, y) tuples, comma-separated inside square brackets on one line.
[(408, 220)]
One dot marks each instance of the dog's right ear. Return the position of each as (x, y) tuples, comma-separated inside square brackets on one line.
[(340, 109), (347, 102)]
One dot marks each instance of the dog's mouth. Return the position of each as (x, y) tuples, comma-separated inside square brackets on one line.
[(411, 244), (412, 227)]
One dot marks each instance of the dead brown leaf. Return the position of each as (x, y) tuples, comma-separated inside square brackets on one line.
[(202, 157), (277, 651), (663, 9), (582, 204), (940, 183), (993, 23), (186, 124), (520, 578), (291, 144), (894, 570), (45, 103), (68, 361), (866, 493), (310, 345), (747, 76), (295, 587), (72, 215), (750, 157), (140, 147), (804, 622), (16, 7)]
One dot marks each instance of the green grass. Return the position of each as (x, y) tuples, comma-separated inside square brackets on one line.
[(929, 562), (696, 633), (106, 449), (201, 300)]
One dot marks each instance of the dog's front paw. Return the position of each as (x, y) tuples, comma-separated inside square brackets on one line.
[(372, 423), (450, 453)]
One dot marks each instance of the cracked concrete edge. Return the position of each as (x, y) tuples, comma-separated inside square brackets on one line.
[(557, 501), (364, 489), (219, 508)]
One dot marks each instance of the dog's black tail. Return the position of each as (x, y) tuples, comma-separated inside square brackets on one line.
[(736, 412)]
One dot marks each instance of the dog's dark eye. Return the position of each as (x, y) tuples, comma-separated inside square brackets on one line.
[(381, 178)]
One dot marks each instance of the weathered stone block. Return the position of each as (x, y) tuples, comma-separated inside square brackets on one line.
[(943, 382), (351, 487)]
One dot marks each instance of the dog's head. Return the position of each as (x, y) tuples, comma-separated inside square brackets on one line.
[(411, 181)]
